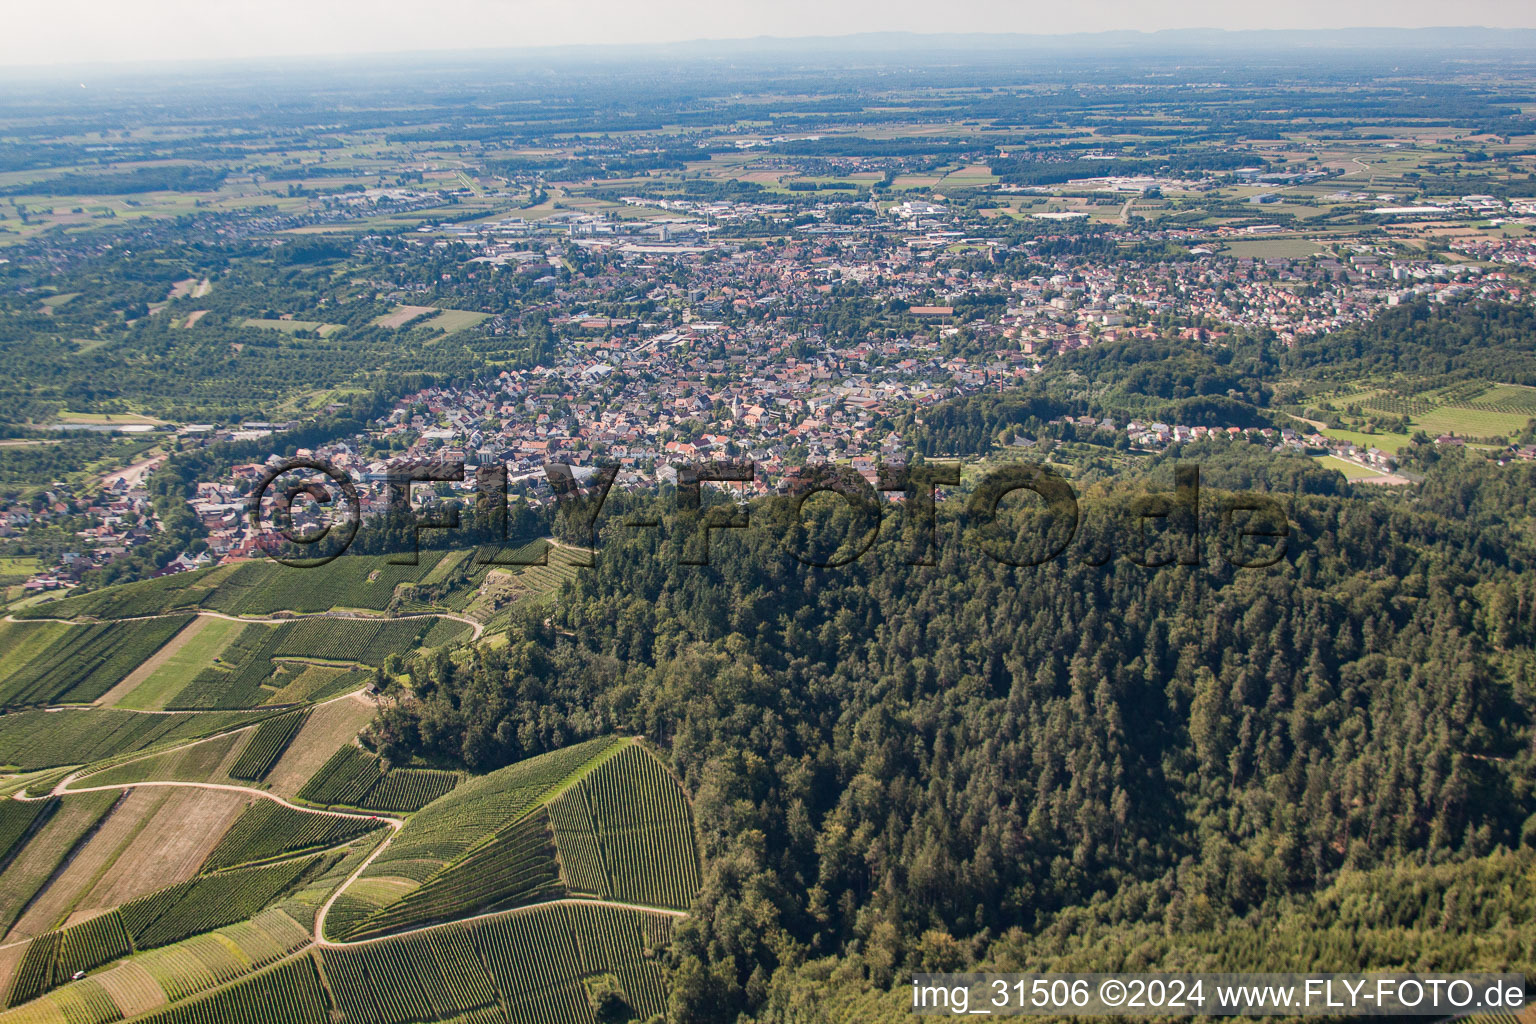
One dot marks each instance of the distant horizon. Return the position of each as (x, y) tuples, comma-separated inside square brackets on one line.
[(188, 34)]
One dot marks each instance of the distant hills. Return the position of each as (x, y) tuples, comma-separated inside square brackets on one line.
[(1168, 40)]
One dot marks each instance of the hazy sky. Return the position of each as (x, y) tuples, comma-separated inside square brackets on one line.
[(87, 31)]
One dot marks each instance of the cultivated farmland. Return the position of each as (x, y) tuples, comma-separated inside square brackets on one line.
[(81, 663), (492, 843), (69, 823), (208, 902), (356, 778), (267, 745), (625, 833), (269, 829)]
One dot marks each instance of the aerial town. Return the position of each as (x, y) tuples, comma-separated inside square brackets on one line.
[(720, 368)]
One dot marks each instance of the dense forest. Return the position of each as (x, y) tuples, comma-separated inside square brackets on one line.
[(1087, 762)]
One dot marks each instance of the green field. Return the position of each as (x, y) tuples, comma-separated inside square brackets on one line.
[(81, 663), (43, 739), (18, 568), (1273, 248), (355, 778), (268, 830), (1351, 470), (319, 327), (1386, 442), (450, 321), (114, 418), (1475, 423), (196, 654), (267, 744)]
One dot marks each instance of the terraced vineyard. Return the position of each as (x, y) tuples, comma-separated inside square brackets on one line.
[(181, 592), (493, 844), (289, 993), (625, 833), (244, 677), (223, 938), (64, 824), (269, 829), (42, 739), (515, 866), (474, 972), (482, 969), (249, 588), (503, 586), (53, 958), (267, 745), (226, 945), (80, 663), (209, 902), (16, 819), (356, 778), (352, 581)]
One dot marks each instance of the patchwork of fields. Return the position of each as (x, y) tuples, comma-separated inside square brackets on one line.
[(489, 934), (603, 818), (152, 865)]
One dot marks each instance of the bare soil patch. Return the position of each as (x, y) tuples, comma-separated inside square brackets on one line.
[(171, 847), (330, 727)]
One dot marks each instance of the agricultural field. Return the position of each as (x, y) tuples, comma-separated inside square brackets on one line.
[(82, 663), (209, 901), (504, 586), (185, 904), (203, 761), (266, 745), (16, 820), (196, 648), (34, 739), (328, 728), (289, 993), (181, 592), (1351, 470), (356, 778), (231, 910), (263, 660), (298, 682), (54, 957), (71, 893), (269, 829), (402, 315), (253, 588), (319, 327), (1477, 411), (625, 833), (451, 321), (351, 581), (484, 965), (493, 844), (68, 824), (157, 836)]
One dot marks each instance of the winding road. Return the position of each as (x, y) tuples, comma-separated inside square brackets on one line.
[(64, 788)]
